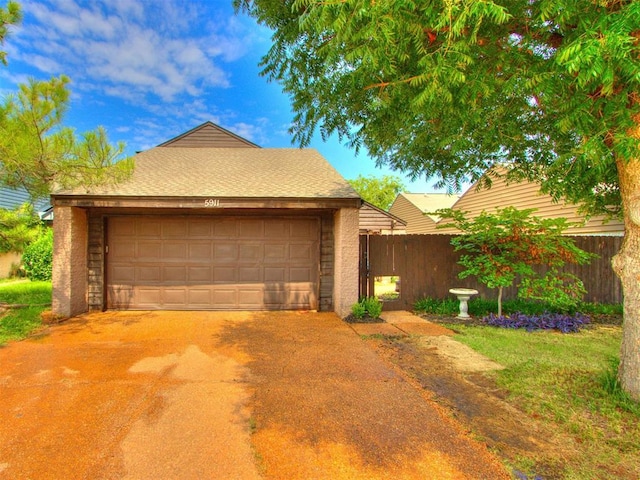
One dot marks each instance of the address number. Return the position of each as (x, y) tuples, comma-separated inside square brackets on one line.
[(211, 202)]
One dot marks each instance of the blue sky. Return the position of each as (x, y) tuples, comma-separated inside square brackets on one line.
[(149, 70)]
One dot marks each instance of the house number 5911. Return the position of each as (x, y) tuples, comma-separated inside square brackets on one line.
[(211, 202)]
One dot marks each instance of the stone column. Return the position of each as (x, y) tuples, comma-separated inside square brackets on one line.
[(69, 261), (346, 242)]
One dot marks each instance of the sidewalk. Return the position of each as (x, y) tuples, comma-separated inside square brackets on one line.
[(401, 323)]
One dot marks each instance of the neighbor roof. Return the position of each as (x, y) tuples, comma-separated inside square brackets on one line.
[(429, 202), (228, 172)]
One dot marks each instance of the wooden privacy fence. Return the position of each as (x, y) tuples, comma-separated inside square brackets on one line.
[(427, 266)]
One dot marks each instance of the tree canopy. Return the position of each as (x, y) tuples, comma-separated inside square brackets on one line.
[(39, 154), (547, 89), (9, 15), (449, 89), (379, 191)]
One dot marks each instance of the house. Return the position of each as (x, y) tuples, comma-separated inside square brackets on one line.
[(210, 221), (375, 221), (11, 198), (521, 195), (414, 209)]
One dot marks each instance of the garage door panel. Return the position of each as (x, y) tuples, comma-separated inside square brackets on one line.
[(174, 274), (122, 250), (174, 228), (225, 251), (251, 228), (174, 250), (250, 252), (276, 229), (225, 274), (149, 274), (148, 249), (300, 252), (200, 228), (275, 252), (149, 296), (174, 296), (149, 228), (122, 226), (199, 274), (199, 251), (250, 275), (203, 263), (200, 296), (274, 274), (300, 274), (225, 228)]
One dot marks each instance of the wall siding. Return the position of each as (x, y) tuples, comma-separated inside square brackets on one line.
[(525, 195), (417, 222), (427, 267), (95, 261), (327, 263)]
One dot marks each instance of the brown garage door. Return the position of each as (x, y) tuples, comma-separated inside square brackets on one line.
[(219, 263)]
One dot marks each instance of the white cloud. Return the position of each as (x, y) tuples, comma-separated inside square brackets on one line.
[(137, 49)]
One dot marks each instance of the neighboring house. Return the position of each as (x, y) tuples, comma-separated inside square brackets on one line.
[(210, 221), (414, 209), (11, 198), (375, 221), (521, 195)]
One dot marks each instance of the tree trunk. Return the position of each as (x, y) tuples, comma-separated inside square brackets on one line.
[(499, 301), (626, 264)]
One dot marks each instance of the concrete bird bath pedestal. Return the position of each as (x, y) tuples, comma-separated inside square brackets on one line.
[(463, 294)]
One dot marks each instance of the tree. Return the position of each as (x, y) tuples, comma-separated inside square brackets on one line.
[(546, 88), (506, 245), (9, 15), (18, 228), (379, 191), (37, 153)]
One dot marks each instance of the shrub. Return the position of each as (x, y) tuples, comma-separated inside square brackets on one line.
[(546, 321), (37, 257), (373, 306), (358, 310)]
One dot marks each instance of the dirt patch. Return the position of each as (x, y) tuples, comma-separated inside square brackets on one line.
[(455, 376)]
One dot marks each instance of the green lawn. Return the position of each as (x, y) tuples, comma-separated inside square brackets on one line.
[(17, 323), (568, 380)]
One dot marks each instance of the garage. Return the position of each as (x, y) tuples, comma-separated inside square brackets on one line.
[(209, 221), (220, 263)]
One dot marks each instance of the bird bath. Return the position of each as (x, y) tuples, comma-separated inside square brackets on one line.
[(463, 294)]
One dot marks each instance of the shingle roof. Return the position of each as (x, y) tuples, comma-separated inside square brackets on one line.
[(229, 172), (429, 202)]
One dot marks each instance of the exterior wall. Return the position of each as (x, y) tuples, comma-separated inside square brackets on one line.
[(69, 261), (524, 195), (95, 261), (209, 135), (346, 241), (327, 262), (417, 222), (6, 261)]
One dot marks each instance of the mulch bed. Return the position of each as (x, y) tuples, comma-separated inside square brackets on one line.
[(366, 319)]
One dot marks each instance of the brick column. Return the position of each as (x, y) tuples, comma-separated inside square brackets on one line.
[(69, 261), (345, 287)]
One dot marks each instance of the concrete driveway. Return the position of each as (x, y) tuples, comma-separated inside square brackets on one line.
[(206, 395)]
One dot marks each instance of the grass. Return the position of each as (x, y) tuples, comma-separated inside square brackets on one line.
[(17, 323), (569, 381)]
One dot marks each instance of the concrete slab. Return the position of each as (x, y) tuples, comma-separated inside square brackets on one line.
[(424, 328), (195, 395), (377, 329)]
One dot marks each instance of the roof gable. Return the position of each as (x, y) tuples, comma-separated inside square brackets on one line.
[(430, 202), (209, 135)]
